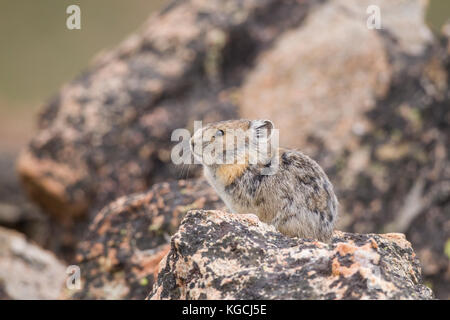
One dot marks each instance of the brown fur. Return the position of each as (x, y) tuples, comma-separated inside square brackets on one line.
[(227, 173)]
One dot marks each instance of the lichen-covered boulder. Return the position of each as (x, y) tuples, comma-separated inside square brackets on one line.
[(119, 256), (218, 255), (28, 271)]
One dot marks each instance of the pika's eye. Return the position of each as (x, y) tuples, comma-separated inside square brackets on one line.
[(219, 133)]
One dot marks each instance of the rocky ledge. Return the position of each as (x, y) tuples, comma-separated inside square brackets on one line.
[(120, 253), (218, 255)]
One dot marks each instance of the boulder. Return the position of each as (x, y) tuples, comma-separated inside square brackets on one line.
[(218, 255), (119, 256), (26, 270)]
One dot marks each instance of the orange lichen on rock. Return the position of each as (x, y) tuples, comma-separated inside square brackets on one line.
[(338, 269)]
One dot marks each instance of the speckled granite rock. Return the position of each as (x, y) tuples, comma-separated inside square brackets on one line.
[(218, 255), (27, 271), (120, 254)]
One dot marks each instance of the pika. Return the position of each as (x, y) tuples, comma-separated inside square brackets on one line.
[(284, 188)]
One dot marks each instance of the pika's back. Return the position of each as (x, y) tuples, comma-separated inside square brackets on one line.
[(298, 186), (311, 183)]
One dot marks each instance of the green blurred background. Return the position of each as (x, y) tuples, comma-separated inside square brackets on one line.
[(38, 53)]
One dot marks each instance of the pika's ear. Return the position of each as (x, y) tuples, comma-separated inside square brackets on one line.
[(262, 128)]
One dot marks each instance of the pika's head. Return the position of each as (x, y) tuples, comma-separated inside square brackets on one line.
[(232, 142)]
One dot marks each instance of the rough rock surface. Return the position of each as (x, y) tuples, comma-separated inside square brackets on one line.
[(218, 255), (370, 105), (27, 271), (121, 252)]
